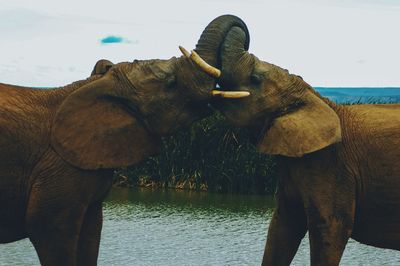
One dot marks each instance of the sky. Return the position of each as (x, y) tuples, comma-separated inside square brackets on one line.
[(330, 43)]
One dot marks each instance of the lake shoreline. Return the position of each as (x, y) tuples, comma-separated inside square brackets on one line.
[(124, 181)]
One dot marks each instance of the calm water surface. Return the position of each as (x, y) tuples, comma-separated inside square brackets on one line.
[(361, 95), (153, 227)]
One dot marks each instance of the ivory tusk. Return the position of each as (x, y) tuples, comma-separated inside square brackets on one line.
[(230, 94), (184, 51), (195, 57), (212, 71)]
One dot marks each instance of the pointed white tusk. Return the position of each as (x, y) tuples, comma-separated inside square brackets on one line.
[(184, 51), (212, 71), (207, 68), (230, 94)]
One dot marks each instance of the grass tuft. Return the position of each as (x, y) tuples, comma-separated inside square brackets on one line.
[(210, 155)]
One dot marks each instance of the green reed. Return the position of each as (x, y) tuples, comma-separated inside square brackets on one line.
[(210, 155)]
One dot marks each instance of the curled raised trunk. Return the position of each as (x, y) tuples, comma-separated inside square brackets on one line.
[(234, 52), (211, 40)]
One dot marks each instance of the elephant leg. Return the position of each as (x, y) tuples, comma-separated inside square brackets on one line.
[(328, 238), (58, 200), (287, 229), (89, 239), (55, 234), (330, 209), (63, 200)]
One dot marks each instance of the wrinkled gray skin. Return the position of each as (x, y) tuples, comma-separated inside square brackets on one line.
[(59, 147), (338, 165)]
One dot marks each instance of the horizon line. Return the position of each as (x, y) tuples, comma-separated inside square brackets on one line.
[(355, 87)]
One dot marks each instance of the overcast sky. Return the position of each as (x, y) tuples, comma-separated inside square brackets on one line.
[(328, 43)]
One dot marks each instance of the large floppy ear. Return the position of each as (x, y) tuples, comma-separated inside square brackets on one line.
[(310, 128), (93, 129)]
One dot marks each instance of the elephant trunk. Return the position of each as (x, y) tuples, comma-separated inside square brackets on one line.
[(234, 52), (207, 55), (213, 37)]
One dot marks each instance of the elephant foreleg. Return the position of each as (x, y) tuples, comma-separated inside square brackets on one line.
[(328, 236), (54, 236), (286, 230), (89, 239), (59, 205)]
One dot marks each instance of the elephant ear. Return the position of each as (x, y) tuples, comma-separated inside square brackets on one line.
[(101, 67), (94, 129), (312, 127)]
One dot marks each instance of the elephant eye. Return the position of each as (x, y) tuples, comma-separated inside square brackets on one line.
[(256, 79), (170, 82)]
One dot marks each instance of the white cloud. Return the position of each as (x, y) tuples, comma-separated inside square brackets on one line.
[(52, 43)]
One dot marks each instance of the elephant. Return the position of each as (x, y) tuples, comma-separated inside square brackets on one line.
[(338, 166), (59, 147)]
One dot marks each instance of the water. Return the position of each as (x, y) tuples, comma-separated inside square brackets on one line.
[(361, 95), (146, 227)]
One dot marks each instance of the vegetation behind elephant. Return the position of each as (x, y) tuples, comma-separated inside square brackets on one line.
[(59, 146), (339, 165)]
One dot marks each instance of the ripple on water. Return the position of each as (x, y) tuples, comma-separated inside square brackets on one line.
[(144, 227)]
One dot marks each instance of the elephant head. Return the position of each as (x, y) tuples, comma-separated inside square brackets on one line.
[(101, 67), (118, 119), (285, 115)]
